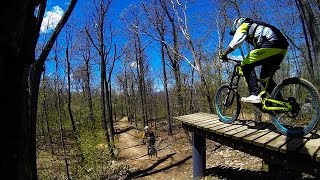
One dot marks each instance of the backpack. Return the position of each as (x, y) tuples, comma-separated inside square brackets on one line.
[(282, 41), (151, 136)]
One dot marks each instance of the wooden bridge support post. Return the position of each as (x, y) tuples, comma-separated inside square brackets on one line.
[(198, 155)]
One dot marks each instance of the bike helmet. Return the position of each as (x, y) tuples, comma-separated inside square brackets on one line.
[(146, 128), (237, 23)]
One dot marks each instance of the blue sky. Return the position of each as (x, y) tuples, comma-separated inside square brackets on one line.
[(199, 26), (55, 9)]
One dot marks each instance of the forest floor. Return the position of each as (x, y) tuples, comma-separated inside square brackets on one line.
[(174, 160)]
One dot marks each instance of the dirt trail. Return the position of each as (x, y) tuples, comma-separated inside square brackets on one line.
[(169, 164)]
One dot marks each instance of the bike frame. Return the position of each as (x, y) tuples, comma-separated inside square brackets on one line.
[(277, 104)]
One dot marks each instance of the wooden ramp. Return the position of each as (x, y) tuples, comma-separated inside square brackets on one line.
[(261, 140)]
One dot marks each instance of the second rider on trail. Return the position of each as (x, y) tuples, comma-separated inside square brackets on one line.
[(149, 137), (270, 47)]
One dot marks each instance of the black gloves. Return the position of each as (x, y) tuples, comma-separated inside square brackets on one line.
[(223, 57)]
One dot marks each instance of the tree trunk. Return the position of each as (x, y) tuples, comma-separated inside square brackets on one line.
[(18, 159), (45, 110), (191, 109), (103, 105), (140, 72), (165, 81), (310, 23), (203, 80), (175, 60), (69, 90), (19, 34), (88, 91), (109, 110), (127, 97), (61, 131)]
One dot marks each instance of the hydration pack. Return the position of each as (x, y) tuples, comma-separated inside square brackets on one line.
[(281, 41)]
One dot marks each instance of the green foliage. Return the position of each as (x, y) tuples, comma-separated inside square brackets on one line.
[(94, 150), (87, 154)]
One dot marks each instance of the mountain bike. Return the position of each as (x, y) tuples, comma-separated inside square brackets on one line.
[(293, 105), (152, 150)]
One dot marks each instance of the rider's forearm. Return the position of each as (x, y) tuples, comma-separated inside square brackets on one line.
[(238, 38), (228, 50)]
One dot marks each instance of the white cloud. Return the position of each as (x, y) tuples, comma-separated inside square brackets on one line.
[(51, 19), (133, 64)]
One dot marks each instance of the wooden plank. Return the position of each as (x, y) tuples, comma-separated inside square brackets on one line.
[(222, 131), (201, 115), (262, 141), (293, 145), (278, 142), (310, 148), (203, 126), (196, 120), (318, 153), (207, 127), (196, 115), (244, 133), (207, 114), (189, 120), (204, 122), (249, 138), (199, 121), (214, 129), (235, 131), (208, 123)]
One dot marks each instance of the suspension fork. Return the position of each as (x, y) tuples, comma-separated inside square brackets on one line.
[(235, 78)]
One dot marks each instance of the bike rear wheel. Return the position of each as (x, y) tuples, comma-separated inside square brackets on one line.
[(227, 103), (152, 151), (305, 101)]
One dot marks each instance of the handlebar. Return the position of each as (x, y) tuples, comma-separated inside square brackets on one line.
[(234, 60)]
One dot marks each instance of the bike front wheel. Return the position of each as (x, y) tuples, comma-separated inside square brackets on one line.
[(304, 99), (227, 103)]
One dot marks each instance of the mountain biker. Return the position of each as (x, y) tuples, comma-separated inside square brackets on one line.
[(270, 48), (149, 136)]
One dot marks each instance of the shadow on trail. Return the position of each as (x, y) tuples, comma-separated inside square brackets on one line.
[(139, 157), (160, 149), (132, 146), (229, 173), (138, 173), (148, 171), (119, 131)]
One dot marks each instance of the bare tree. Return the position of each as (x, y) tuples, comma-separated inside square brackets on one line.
[(68, 39), (58, 90), (156, 17), (311, 28), (45, 110), (86, 56), (134, 25), (103, 48), (173, 53), (183, 24)]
